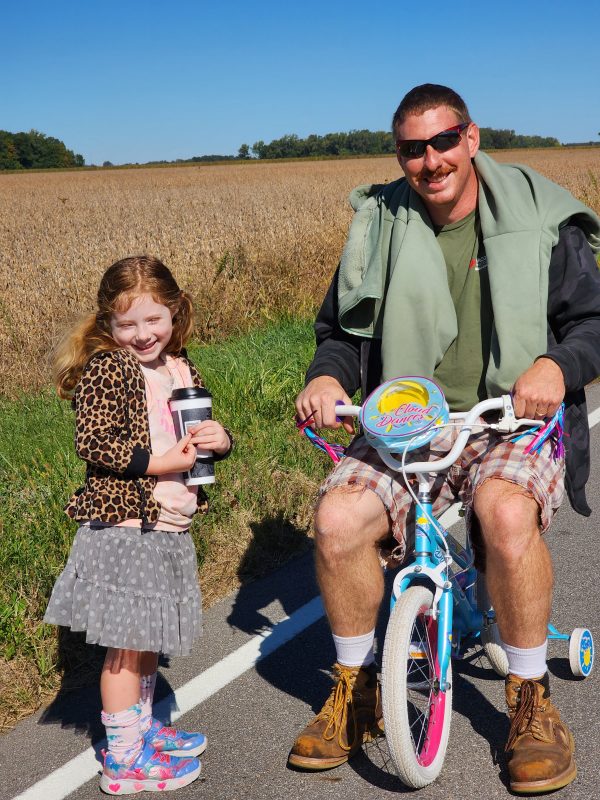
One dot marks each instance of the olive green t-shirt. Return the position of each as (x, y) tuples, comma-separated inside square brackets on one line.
[(461, 372)]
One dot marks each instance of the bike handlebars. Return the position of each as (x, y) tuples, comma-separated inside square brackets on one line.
[(507, 423)]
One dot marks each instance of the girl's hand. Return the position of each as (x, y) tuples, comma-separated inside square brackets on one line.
[(210, 435), (179, 458)]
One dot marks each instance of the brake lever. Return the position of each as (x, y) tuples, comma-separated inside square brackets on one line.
[(508, 423)]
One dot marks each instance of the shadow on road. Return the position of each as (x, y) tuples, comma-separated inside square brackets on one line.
[(272, 535), (295, 668)]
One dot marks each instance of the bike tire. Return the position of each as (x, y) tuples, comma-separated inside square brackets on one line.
[(492, 647), (490, 636), (416, 715)]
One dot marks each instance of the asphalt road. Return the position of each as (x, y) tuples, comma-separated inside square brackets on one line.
[(251, 720)]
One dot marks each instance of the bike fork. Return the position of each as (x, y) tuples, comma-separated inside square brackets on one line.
[(428, 558)]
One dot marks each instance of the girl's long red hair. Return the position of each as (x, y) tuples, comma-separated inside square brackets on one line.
[(120, 285)]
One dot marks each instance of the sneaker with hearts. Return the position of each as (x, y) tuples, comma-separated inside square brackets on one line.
[(151, 771), (174, 742)]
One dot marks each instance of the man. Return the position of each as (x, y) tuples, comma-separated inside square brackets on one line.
[(479, 275)]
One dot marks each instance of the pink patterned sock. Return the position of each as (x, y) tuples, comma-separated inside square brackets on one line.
[(123, 733), (147, 686)]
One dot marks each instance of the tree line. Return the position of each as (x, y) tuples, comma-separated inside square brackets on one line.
[(503, 139), (354, 143), (365, 142), (35, 150)]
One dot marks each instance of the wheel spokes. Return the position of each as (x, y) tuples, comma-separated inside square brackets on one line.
[(420, 679)]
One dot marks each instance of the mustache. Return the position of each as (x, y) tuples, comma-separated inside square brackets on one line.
[(437, 174)]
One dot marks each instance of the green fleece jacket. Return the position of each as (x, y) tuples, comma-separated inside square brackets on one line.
[(393, 283)]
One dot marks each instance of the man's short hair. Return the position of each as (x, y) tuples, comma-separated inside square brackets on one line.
[(427, 96)]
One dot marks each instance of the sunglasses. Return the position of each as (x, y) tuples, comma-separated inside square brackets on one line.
[(446, 140)]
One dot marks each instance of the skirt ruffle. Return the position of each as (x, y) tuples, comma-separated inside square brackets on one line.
[(130, 589)]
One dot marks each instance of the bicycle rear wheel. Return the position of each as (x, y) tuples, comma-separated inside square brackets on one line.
[(490, 636), (416, 712)]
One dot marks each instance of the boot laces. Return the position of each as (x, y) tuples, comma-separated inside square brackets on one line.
[(335, 710), (525, 717)]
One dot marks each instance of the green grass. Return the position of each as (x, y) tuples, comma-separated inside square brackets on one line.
[(260, 504)]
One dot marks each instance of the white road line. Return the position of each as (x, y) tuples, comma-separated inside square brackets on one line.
[(451, 516), (594, 417), (82, 768)]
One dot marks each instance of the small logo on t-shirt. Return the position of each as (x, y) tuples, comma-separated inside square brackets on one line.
[(478, 263)]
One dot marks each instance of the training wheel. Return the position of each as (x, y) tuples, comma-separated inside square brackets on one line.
[(581, 652)]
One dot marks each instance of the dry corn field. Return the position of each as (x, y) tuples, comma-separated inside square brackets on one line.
[(249, 241)]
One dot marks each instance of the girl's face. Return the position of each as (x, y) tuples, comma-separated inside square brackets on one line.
[(144, 329)]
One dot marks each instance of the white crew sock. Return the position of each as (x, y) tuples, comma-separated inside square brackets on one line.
[(527, 662), (355, 651)]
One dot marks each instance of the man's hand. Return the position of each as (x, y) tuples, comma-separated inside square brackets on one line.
[(318, 399), (539, 391)]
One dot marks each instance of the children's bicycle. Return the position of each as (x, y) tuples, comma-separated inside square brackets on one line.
[(439, 606)]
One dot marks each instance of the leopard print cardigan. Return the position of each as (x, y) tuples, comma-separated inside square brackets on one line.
[(112, 435)]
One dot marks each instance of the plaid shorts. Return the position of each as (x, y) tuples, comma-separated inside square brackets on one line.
[(488, 454)]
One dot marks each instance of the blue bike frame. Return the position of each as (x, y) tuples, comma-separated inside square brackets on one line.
[(454, 601)]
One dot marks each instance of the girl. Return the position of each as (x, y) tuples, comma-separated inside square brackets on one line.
[(131, 578)]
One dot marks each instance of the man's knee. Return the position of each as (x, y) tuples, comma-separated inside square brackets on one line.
[(347, 519), (509, 517)]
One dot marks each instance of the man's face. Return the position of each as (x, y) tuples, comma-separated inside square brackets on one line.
[(447, 182)]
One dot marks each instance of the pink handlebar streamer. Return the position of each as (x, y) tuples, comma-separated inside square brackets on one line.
[(335, 451), (552, 430)]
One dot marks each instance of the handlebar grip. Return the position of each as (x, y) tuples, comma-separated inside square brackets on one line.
[(342, 410)]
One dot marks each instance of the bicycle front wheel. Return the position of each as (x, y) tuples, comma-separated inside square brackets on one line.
[(416, 712)]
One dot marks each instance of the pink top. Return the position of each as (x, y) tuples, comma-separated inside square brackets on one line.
[(178, 501)]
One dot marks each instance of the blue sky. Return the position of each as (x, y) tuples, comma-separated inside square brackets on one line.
[(137, 80)]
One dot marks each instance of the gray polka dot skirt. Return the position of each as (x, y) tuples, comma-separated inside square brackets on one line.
[(131, 589)]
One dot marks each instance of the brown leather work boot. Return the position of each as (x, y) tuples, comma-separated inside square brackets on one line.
[(351, 715), (540, 745)]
